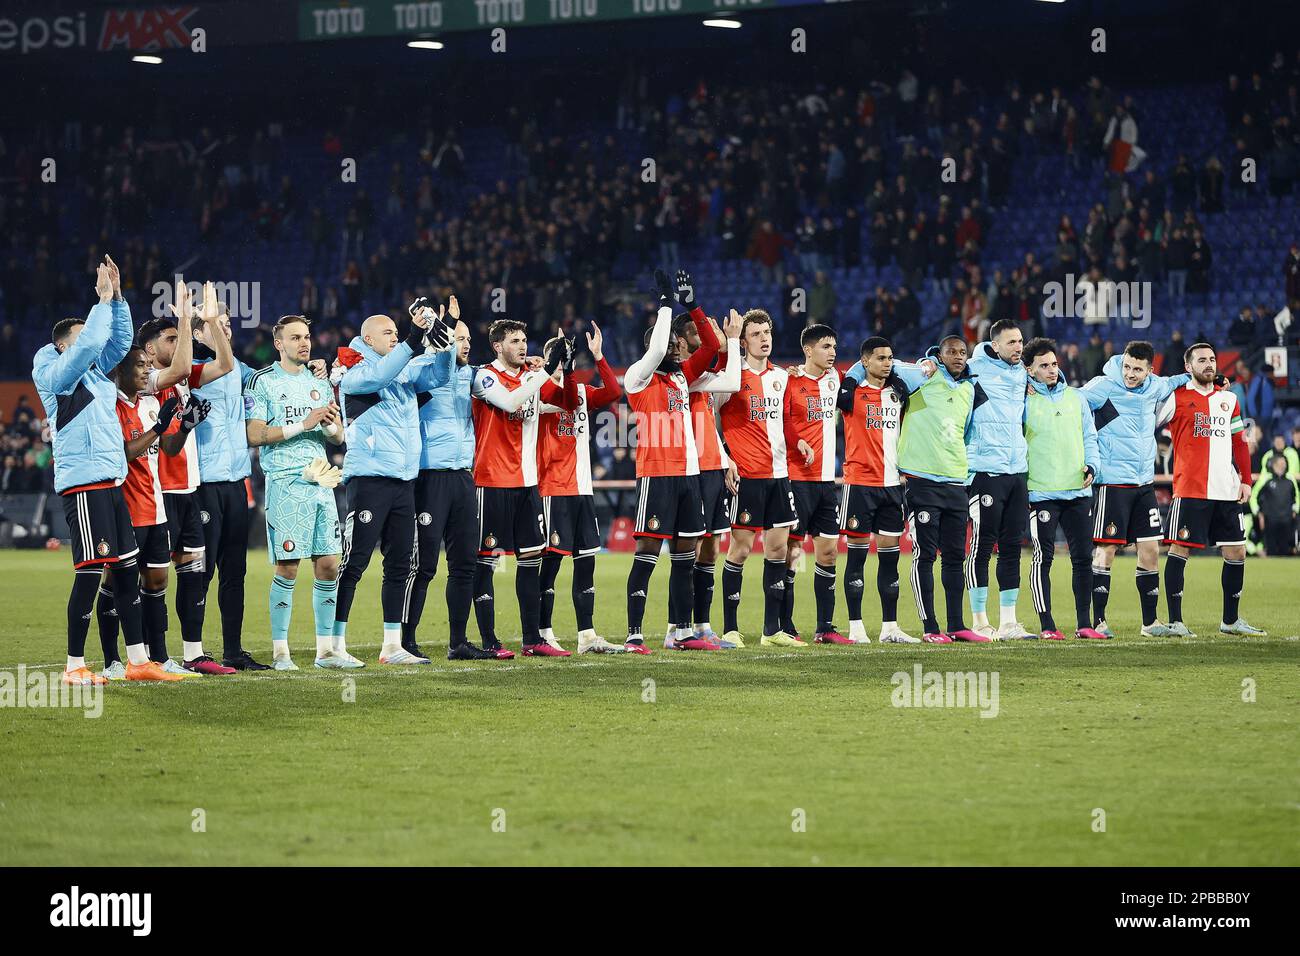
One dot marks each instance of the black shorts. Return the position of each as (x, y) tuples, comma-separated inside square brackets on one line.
[(999, 506), (717, 501), (669, 506), (763, 503), (99, 524), (928, 500), (571, 525), (1202, 523), (510, 519), (184, 522), (816, 505), (1125, 514), (155, 542), (867, 510)]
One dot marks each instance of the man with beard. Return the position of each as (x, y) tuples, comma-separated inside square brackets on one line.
[(1211, 483)]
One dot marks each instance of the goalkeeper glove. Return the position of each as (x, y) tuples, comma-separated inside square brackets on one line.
[(685, 289), (195, 413), (165, 415), (667, 293), (321, 472)]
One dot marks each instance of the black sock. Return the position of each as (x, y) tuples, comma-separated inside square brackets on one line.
[(460, 598), (1081, 585), (855, 569), (550, 571), (106, 615), (528, 591), (1045, 621), (732, 578), (773, 594), (1100, 593), (886, 582), (954, 584), (190, 603), (126, 595), (484, 600), (81, 603), (824, 595), (1175, 568), (638, 585), (787, 604), (1148, 585), (584, 590), (923, 585), (153, 616), (1233, 578), (681, 600), (703, 589)]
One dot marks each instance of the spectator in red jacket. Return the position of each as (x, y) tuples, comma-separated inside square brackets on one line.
[(768, 247)]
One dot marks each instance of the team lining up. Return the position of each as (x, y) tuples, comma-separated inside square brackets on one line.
[(476, 461)]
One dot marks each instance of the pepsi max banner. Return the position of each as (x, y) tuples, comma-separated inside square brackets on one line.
[(56, 27)]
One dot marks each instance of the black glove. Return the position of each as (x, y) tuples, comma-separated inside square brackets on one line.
[(415, 337), (165, 415), (437, 336), (667, 293), (555, 357), (1220, 381), (570, 354), (685, 289), (194, 414)]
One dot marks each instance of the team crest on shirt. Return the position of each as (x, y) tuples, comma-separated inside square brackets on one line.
[(853, 523), (776, 385), (102, 548), (490, 541), (425, 518), (986, 501), (315, 395), (1224, 405), (204, 517), (365, 517), (923, 517), (288, 545), (1111, 529), (653, 523), (1183, 534), (153, 415)]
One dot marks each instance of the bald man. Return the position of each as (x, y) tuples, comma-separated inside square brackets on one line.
[(381, 416)]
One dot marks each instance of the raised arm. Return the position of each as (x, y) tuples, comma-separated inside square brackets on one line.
[(639, 373), (368, 377), (122, 334), (609, 390), (182, 364), (701, 360), (61, 376)]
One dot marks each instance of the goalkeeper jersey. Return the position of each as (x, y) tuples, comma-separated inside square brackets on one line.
[(280, 398)]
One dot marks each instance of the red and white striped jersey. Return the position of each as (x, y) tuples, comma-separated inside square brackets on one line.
[(505, 450), (142, 488), (810, 415), (871, 437), (564, 454), (1211, 459), (665, 433), (752, 423), (179, 473)]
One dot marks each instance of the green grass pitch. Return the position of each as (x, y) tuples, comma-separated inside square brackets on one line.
[(742, 757)]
